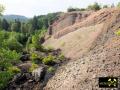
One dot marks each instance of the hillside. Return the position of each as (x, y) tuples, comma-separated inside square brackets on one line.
[(93, 47), (15, 17)]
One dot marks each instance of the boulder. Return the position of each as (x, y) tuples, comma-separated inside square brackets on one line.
[(25, 66), (39, 73), (25, 57), (21, 78)]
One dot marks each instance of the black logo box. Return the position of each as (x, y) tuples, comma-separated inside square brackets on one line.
[(109, 82)]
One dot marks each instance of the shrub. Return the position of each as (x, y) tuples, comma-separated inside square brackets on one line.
[(34, 56), (61, 57), (50, 69), (49, 48), (33, 67), (48, 60), (118, 33), (4, 78), (13, 70), (3, 35), (70, 9), (12, 44), (7, 57), (95, 6)]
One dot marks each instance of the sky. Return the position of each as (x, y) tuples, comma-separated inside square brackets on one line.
[(29, 8)]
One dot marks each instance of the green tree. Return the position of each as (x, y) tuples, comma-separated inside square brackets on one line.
[(105, 6), (5, 24), (2, 8), (118, 5), (7, 58), (35, 25), (70, 9), (95, 6), (16, 26)]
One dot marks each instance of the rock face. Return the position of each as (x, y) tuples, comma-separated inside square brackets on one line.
[(101, 60), (67, 19)]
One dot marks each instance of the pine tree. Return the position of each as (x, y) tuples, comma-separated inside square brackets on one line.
[(5, 24)]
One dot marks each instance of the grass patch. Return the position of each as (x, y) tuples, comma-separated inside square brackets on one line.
[(33, 67), (48, 60), (50, 69)]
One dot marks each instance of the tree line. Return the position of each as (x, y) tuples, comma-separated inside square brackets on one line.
[(96, 6), (32, 25)]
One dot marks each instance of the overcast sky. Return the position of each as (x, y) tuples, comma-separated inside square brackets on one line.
[(30, 8)]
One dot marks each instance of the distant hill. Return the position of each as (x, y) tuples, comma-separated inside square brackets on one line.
[(13, 17)]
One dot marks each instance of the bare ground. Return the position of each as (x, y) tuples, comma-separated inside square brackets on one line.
[(100, 55)]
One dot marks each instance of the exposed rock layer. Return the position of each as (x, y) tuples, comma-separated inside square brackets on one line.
[(102, 58)]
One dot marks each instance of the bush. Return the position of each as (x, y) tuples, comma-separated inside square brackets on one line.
[(61, 57), (49, 48), (13, 70), (33, 67), (70, 9), (3, 35), (50, 69), (4, 78), (118, 33), (34, 42), (48, 60), (7, 57), (34, 56), (95, 6), (12, 44)]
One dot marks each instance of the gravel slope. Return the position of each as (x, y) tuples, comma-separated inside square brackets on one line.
[(101, 59)]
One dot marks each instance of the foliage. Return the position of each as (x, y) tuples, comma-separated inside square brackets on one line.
[(118, 5), (34, 22), (49, 59), (118, 33), (2, 8), (70, 9), (13, 70), (7, 57), (95, 6), (4, 78), (13, 44), (61, 57), (4, 24), (34, 56), (16, 26), (45, 20), (33, 67), (49, 48), (3, 35), (51, 69), (11, 40), (105, 6), (34, 41)]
